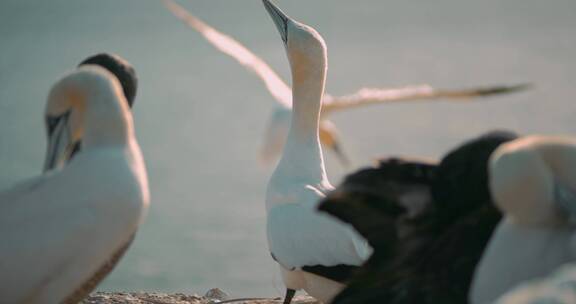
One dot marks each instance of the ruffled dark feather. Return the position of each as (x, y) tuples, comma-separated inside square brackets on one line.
[(430, 256)]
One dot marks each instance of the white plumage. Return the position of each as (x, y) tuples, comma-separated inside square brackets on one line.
[(61, 232), (527, 179), (298, 234)]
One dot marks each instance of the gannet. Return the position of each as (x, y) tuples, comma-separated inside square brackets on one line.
[(63, 231), (532, 180), (299, 237), (123, 71), (279, 121), (428, 223)]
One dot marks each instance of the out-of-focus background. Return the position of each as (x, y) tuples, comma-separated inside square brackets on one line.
[(200, 116)]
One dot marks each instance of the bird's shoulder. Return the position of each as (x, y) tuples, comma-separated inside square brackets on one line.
[(98, 189)]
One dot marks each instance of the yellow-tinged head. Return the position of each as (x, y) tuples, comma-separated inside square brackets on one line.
[(89, 89), (305, 47)]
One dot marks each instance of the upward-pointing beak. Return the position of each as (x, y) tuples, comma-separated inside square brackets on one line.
[(60, 149), (279, 18)]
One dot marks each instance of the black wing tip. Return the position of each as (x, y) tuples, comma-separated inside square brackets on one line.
[(341, 273), (121, 68), (505, 89)]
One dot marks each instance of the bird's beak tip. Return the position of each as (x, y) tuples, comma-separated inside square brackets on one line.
[(525, 86), (280, 19)]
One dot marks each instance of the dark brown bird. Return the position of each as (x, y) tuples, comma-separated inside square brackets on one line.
[(428, 224)]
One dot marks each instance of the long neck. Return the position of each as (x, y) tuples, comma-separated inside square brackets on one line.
[(107, 117), (302, 153)]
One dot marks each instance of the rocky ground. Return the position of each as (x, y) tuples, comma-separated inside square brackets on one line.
[(214, 296)]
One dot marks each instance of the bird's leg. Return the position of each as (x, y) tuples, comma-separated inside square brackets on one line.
[(289, 295)]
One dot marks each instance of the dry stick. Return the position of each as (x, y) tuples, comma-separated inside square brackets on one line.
[(248, 299)]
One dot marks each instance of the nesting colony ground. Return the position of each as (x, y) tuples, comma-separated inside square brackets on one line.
[(178, 298)]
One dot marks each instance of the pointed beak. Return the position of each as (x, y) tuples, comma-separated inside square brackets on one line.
[(330, 139), (279, 18), (60, 148), (341, 155)]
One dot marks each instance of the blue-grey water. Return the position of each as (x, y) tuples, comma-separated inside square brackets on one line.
[(200, 116)]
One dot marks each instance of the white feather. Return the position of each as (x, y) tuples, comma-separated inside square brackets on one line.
[(535, 236)]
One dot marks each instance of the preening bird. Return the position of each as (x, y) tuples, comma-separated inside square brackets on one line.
[(123, 71), (533, 182), (63, 231), (279, 122), (301, 239), (428, 224)]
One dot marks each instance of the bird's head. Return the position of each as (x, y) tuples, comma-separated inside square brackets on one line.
[(116, 65), (68, 101), (523, 183), (121, 68), (305, 47)]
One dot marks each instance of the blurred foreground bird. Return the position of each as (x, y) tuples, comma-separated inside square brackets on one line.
[(279, 123), (428, 224), (125, 74), (63, 231), (533, 182)]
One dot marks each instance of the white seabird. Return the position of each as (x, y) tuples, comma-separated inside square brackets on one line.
[(125, 74), (279, 123), (533, 182), (298, 235), (63, 231)]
